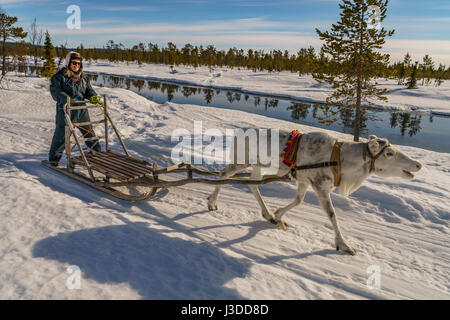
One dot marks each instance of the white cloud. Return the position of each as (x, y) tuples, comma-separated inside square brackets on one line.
[(124, 8), (10, 1), (211, 26), (20, 3), (439, 50)]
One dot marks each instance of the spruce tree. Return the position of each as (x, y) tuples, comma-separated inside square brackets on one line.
[(407, 60), (412, 81), (49, 64), (405, 68), (61, 53), (81, 50), (354, 62), (401, 73), (440, 74), (427, 69)]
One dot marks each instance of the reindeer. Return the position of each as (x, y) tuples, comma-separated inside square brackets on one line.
[(356, 162)]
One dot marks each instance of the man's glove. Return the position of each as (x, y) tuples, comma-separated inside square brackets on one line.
[(94, 99)]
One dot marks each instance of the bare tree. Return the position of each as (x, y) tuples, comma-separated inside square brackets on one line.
[(32, 36), (35, 36)]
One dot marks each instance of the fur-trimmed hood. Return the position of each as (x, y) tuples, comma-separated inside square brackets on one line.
[(69, 57)]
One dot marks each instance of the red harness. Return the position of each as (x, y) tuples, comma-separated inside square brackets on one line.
[(290, 151)]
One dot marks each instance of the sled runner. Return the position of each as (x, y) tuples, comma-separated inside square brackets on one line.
[(122, 175)]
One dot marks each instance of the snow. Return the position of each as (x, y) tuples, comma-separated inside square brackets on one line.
[(172, 247), (279, 84)]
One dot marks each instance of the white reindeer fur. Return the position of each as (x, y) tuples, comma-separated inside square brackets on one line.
[(314, 148)]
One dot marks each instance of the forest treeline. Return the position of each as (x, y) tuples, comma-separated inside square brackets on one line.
[(304, 61)]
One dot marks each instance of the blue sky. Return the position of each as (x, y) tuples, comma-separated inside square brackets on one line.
[(421, 26)]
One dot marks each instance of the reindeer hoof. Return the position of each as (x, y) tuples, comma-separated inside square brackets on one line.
[(349, 250), (272, 221), (282, 225), (212, 207)]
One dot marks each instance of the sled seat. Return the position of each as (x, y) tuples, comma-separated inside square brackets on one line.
[(115, 165)]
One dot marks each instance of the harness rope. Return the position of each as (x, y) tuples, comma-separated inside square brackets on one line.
[(366, 151), (290, 155), (101, 106)]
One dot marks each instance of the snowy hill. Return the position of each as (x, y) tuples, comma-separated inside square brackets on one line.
[(172, 247)]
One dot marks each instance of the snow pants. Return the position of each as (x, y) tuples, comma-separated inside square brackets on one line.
[(59, 137)]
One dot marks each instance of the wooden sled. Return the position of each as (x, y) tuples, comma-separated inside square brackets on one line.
[(100, 169), (122, 175)]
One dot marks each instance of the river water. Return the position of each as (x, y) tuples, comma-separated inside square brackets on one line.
[(425, 131), (420, 130)]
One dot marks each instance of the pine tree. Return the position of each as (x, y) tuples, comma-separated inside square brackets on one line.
[(427, 69), (412, 81), (320, 65), (401, 73), (404, 68), (7, 31), (440, 75), (81, 50), (407, 60), (61, 53), (49, 64), (354, 62)]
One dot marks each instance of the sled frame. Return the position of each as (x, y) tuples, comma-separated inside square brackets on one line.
[(104, 167), (110, 171)]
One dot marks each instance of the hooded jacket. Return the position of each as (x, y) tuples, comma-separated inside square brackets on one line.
[(67, 84)]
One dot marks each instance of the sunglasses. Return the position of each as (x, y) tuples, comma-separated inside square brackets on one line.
[(76, 63)]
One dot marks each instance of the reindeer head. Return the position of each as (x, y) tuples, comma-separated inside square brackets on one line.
[(388, 161)]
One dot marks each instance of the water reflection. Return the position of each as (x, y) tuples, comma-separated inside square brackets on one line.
[(320, 113), (329, 115), (323, 114), (407, 121), (186, 91), (299, 110), (25, 69), (401, 128), (209, 94)]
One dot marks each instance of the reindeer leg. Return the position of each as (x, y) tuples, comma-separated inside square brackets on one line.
[(327, 205), (224, 174), (256, 175), (301, 191)]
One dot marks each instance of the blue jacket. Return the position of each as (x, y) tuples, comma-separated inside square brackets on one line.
[(65, 84)]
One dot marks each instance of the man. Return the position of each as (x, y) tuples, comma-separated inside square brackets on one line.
[(70, 83)]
